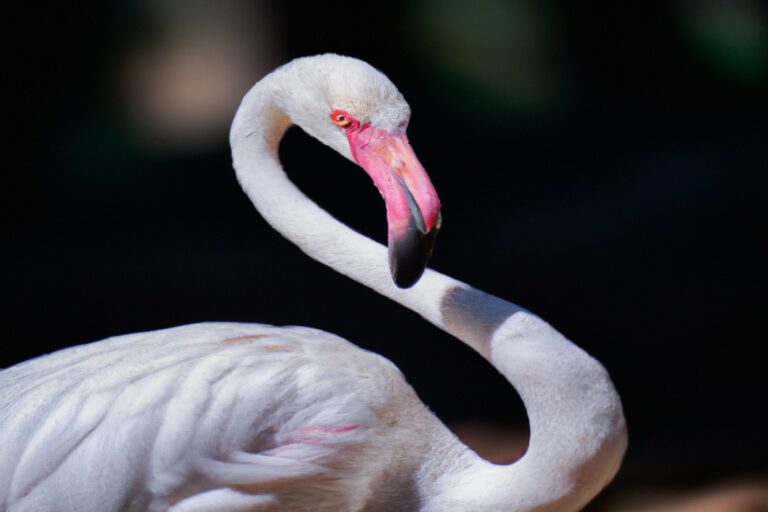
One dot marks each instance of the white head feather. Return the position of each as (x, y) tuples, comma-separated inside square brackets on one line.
[(329, 82)]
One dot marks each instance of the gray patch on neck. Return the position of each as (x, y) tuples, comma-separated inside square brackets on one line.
[(473, 316)]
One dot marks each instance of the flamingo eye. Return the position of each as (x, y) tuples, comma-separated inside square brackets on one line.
[(341, 118)]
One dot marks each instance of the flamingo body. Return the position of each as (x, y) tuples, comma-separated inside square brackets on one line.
[(239, 414), (246, 417)]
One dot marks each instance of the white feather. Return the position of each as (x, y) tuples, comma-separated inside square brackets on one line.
[(234, 417)]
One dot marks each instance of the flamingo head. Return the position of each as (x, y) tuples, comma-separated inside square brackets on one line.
[(413, 208), (355, 109)]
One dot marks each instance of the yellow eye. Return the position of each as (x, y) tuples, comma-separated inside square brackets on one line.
[(341, 118)]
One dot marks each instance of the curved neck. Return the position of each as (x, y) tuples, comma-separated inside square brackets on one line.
[(572, 424), (256, 132)]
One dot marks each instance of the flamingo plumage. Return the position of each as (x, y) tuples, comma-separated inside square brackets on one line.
[(236, 417)]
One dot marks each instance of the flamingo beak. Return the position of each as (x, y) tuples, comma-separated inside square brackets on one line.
[(413, 208)]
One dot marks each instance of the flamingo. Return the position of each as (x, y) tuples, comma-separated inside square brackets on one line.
[(236, 417)]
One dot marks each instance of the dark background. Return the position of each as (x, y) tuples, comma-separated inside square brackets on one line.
[(604, 167)]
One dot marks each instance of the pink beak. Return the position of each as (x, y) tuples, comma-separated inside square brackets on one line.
[(413, 208)]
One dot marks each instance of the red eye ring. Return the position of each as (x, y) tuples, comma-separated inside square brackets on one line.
[(341, 118)]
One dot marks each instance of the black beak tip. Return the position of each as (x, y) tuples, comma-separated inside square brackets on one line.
[(409, 255), (406, 279)]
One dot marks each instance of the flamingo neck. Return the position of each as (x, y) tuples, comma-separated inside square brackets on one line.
[(255, 136), (577, 427)]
